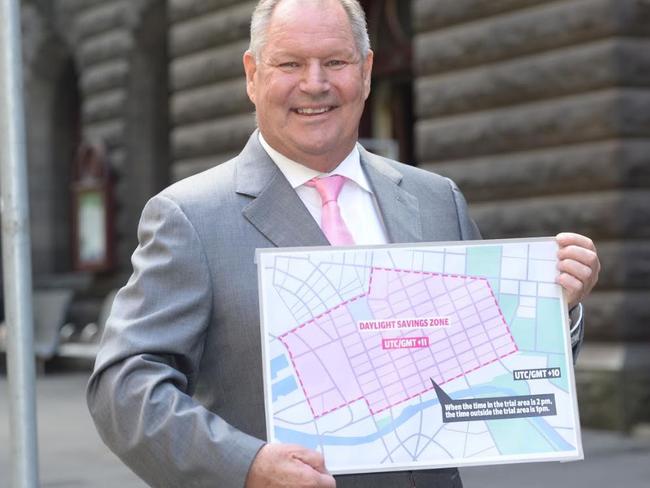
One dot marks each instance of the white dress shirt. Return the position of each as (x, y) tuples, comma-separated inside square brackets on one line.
[(356, 200)]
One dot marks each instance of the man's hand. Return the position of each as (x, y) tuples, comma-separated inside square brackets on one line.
[(579, 266), (288, 466)]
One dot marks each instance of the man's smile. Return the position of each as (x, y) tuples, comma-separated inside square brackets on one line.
[(311, 111)]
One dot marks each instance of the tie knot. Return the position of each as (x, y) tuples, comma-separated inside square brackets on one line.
[(328, 187)]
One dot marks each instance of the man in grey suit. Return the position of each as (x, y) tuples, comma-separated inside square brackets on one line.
[(177, 387)]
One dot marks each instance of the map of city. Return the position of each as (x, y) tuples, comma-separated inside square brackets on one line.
[(409, 357)]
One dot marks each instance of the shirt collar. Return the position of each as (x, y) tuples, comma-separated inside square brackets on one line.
[(298, 175)]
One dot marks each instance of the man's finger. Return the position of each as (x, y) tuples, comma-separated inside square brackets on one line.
[(326, 481), (577, 269), (313, 458), (569, 238), (573, 287), (580, 254)]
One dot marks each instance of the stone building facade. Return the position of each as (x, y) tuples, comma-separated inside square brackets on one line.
[(538, 109)]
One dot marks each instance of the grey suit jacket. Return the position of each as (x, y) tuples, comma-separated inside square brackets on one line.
[(177, 387)]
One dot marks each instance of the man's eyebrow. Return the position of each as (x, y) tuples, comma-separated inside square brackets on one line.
[(342, 53)]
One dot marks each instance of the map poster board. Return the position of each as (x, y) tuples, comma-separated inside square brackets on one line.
[(406, 357)]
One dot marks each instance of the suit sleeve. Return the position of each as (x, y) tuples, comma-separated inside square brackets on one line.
[(140, 393), (469, 231)]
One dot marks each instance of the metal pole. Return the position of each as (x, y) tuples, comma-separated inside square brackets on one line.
[(16, 253)]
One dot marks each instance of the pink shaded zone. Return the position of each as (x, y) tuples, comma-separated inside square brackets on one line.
[(333, 376)]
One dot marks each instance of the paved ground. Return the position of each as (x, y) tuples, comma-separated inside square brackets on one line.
[(72, 455)]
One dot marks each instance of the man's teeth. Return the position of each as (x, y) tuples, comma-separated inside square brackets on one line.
[(312, 111)]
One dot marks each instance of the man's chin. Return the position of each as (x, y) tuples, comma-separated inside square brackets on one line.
[(323, 157)]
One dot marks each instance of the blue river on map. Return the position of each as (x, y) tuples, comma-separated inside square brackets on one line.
[(314, 440)]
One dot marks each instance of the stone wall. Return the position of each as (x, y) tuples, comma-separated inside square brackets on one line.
[(540, 111), (211, 115)]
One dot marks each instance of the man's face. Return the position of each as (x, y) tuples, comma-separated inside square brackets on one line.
[(310, 83)]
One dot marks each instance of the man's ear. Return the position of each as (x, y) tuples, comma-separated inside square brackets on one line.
[(250, 67), (367, 73)]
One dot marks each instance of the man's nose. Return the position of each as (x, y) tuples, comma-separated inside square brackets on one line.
[(314, 79)]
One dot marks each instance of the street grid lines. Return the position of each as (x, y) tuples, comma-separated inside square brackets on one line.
[(337, 364)]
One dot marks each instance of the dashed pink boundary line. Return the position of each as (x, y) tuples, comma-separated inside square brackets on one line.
[(353, 299)]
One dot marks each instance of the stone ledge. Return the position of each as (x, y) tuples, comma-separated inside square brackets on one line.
[(595, 166), (613, 384), (209, 66), (625, 265), (582, 118), (618, 315), (211, 30), (105, 17), (437, 14), (104, 106), (104, 76), (109, 45), (521, 33), (213, 137), (600, 215), (596, 356), (188, 167), (575, 69), (186, 9), (210, 102), (77, 5)]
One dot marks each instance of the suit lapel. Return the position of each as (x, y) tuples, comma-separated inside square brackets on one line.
[(276, 210), (279, 214), (399, 208)]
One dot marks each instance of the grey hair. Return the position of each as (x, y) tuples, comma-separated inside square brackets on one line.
[(264, 10)]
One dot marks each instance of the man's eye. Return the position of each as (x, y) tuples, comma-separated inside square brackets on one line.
[(336, 63), (289, 65)]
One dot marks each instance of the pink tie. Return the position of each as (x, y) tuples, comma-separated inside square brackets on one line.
[(331, 221)]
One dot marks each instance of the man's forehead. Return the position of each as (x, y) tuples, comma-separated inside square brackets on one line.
[(290, 8), (288, 4), (326, 22)]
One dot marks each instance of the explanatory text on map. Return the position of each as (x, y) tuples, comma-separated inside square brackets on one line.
[(420, 356)]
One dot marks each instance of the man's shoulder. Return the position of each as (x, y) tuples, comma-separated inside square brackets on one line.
[(405, 173), (207, 183), (200, 195)]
